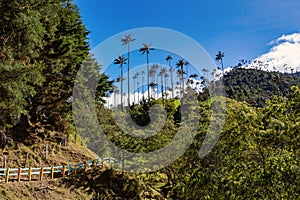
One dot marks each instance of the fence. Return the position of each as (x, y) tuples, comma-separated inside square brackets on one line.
[(28, 174)]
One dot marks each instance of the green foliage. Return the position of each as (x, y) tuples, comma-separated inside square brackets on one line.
[(255, 86), (42, 46), (257, 155)]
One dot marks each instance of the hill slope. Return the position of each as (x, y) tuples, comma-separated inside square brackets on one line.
[(256, 86)]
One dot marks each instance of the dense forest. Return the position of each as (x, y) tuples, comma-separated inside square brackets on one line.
[(42, 46)]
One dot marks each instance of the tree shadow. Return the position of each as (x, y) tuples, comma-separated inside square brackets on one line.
[(104, 184)]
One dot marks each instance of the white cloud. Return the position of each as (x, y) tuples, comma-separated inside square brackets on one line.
[(115, 99), (294, 38), (285, 53)]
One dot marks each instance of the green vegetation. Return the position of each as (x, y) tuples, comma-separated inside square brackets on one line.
[(255, 86), (42, 46)]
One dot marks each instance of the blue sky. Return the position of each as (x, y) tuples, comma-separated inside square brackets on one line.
[(240, 28)]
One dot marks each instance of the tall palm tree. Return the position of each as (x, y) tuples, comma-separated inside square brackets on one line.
[(134, 78), (153, 85), (126, 41), (146, 50), (137, 74), (152, 75), (166, 76), (219, 57), (143, 80), (171, 70), (180, 64), (164, 72), (168, 59), (121, 60), (154, 68), (115, 91), (180, 75), (161, 74), (120, 79)]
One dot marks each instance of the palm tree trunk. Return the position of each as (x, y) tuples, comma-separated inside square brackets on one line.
[(172, 83), (182, 76), (222, 67), (162, 88), (134, 92), (166, 86), (148, 76), (138, 85), (121, 87), (143, 86), (128, 75)]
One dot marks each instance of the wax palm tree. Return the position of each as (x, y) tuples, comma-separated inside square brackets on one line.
[(117, 92), (152, 75), (166, 76), (180, 64), (219, 57), (168, 59), (193, 75), (143, 82), (153, 85), (205, 71), (162, 73), (156, 70), (121, 60), (180, 75), (126, 41), (134, 81), (137, 74), (120, 79), (146, 50), (171, 70)]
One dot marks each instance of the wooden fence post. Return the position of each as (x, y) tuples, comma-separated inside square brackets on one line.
[(19, 174), (52, 172), (110, 162), (63, 171), (29, 174), (7, 175), (41, 173), (102, 162)]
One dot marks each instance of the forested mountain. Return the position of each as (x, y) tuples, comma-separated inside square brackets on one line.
[(256, 86), (42, 46), (256, 156)]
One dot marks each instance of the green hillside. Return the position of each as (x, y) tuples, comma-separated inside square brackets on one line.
[(43, 44), (256, 86)]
